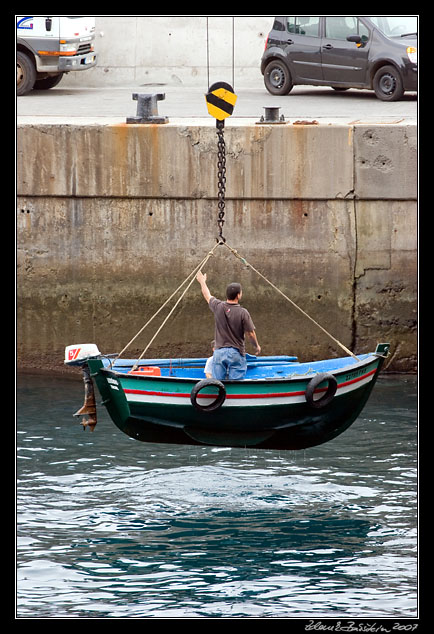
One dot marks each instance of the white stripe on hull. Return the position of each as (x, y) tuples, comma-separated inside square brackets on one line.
[(148, 399)]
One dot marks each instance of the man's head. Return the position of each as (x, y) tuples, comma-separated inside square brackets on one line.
[(233, 290)]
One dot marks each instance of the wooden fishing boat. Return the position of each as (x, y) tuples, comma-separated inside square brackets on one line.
[(281, 404)]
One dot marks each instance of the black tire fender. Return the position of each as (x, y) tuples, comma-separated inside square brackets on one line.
[(327, 396), (221, 397)]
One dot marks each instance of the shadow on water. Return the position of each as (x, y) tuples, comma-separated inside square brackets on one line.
[(234, 537)]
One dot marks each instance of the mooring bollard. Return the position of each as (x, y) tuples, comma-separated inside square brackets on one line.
[(272, 115), (147, 109)]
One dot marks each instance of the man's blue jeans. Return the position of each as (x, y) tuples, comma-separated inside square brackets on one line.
[(228, 363)]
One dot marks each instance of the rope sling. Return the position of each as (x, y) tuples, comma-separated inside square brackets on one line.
[(226, 92), (189, 281)]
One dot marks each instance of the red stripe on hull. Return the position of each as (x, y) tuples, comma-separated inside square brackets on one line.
[(246, 396)]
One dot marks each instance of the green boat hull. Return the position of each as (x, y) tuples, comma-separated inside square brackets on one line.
[(288, 425)]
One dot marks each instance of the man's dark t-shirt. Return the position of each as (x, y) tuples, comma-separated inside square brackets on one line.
[(231, 322)]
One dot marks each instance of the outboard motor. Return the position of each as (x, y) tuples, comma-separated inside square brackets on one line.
[(78, 355)]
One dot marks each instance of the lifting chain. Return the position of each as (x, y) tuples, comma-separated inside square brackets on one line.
[(221, 173)]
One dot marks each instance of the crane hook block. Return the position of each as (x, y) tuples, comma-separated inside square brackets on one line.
[(220, 100)]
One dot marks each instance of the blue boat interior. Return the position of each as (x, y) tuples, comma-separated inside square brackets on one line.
[(258, 368)]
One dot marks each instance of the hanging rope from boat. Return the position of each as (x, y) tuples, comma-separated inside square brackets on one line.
[(244, 261), (191, 276), (190, 279)]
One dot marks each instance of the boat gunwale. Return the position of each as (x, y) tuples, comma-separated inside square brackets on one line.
[(265, 381)]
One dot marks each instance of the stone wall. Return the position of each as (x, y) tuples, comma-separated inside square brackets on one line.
[(112, 218)]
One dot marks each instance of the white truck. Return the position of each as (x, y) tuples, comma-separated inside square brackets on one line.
[(49, 46)]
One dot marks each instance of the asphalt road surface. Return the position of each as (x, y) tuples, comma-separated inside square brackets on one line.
[(115, 104)]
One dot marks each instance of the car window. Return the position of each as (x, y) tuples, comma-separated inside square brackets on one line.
[(303, 25), (338, 27), (363, 31), (395, 25)]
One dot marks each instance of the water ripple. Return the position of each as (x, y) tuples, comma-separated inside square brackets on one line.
[(108, 527)]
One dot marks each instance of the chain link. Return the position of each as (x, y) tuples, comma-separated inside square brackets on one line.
[(221, 173)]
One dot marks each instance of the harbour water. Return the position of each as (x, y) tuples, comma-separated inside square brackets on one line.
[(108, 527)]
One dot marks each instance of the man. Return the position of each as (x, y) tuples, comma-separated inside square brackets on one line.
[(232, 323)]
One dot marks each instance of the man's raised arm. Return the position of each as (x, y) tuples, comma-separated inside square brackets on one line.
[(201, 278)]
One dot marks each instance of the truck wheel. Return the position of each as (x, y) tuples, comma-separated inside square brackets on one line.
[(48, 82), (26, 74), (388, 84)]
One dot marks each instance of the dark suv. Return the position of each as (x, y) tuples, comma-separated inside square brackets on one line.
[(375, 52)]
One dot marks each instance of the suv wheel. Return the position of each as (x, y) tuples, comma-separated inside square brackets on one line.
[(277, 78), (388, 84)]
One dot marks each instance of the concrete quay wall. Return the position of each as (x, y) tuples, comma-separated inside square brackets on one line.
[(111, 218)]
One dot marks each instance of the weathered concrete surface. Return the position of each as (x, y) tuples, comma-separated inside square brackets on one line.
[(171, 161), (112, 218)]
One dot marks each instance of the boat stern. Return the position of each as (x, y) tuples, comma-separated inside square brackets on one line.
[(78, 355), (112, 394), (89, 359)]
